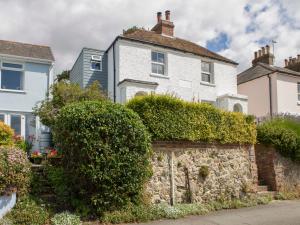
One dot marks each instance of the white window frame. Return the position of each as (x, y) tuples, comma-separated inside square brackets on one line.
[(96, 61), (12, 69), (7, 121), (165, 74), (211, 73)]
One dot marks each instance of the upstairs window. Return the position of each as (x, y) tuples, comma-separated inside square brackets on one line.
[(96, 63), (298, 88), (11, 76), (158, 63), (207, 72)]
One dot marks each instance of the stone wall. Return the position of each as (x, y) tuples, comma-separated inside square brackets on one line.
[(197, 172), (276, 171)]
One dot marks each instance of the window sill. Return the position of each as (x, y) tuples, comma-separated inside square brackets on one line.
[(13, 91), (159, 76), (96, 70), (207, 84)]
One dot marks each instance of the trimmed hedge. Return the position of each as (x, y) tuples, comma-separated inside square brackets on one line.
[(169, 118), (106, 152), (283, 134)]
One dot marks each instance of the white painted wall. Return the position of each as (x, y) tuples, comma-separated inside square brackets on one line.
[(258, 95), (287, 95), (183, 69)]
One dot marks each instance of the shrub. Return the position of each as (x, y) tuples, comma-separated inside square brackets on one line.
[(204, 172), (6, 134), (169, 118), (28, 211), (63, 93), (283, 135), (14, 170), (65, 218), (106, 151)]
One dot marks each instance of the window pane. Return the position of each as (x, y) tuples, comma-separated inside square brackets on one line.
[(12, 65), (154, 56), (206, 77), (205, 67), (157, 68), (160, 58), (15, 123), (2, 117), (96, 65), (11, 79), (154, 68)]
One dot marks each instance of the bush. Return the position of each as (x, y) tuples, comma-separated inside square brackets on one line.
[(106, 151), (28, 211), (6, 135), (63, 93), (65, 218), (283, 135), (14, 170), (169, 118)]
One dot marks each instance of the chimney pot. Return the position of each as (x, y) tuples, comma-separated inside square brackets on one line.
[(268, 49), (158, 17), (167, 14), (259, 53), (286, 62), (263, 50), (255, 55)]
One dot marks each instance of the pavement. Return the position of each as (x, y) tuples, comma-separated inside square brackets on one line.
[(275, 213)]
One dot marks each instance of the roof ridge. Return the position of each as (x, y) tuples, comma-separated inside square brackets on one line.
[(23, 43)]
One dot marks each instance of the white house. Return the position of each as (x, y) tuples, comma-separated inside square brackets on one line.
[(142, 61), (26, 73)]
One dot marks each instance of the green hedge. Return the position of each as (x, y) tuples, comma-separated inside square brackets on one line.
[(106, 151), (169, 118), (283, 134)]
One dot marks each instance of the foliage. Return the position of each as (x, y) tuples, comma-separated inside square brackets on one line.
[(14, 170), (65, 218), (6, 134), (63, 93), (169, 118), (143, 213), (64, 75), (283, 135), (131, 30), (5, 221), (28, 211), (203, 171), (106, 151), (19, 142)]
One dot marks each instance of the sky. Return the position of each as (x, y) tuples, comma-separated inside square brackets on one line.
[(232, 28)]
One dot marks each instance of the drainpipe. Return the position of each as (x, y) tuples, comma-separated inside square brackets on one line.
[(114, 65), (270, 95)]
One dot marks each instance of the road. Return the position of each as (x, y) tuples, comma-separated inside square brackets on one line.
[(276, 213)]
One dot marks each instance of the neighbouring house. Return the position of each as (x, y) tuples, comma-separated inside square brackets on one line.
[(141, 61), (26, 73), (271, 89)]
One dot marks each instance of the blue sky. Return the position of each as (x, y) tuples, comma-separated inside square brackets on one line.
[(233, 28)]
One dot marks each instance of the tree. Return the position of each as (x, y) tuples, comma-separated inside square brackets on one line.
[(63, 93), (64, 75)]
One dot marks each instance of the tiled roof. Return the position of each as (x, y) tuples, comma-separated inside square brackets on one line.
[(173, 43), (260, 70), (26, 50)]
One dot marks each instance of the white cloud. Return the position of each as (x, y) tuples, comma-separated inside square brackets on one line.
[(69, 25)]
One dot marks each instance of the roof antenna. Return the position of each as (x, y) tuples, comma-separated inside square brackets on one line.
[(273, 45)]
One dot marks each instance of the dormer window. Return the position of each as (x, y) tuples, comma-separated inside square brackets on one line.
[(11, 76), (207, 72), (96, 63), (158, 63)]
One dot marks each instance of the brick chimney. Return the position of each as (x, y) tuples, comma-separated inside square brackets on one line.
[(293, 63), (164, 27), (264, 56)]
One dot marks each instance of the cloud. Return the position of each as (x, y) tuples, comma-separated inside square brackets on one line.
[(69, 25)]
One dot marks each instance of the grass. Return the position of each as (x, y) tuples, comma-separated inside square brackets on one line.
[(286, 123), (164, 211)]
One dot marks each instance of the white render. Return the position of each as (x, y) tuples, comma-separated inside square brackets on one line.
[(133, 61)]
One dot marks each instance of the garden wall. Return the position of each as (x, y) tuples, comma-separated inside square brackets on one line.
[(276, 171), (199, 172)]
